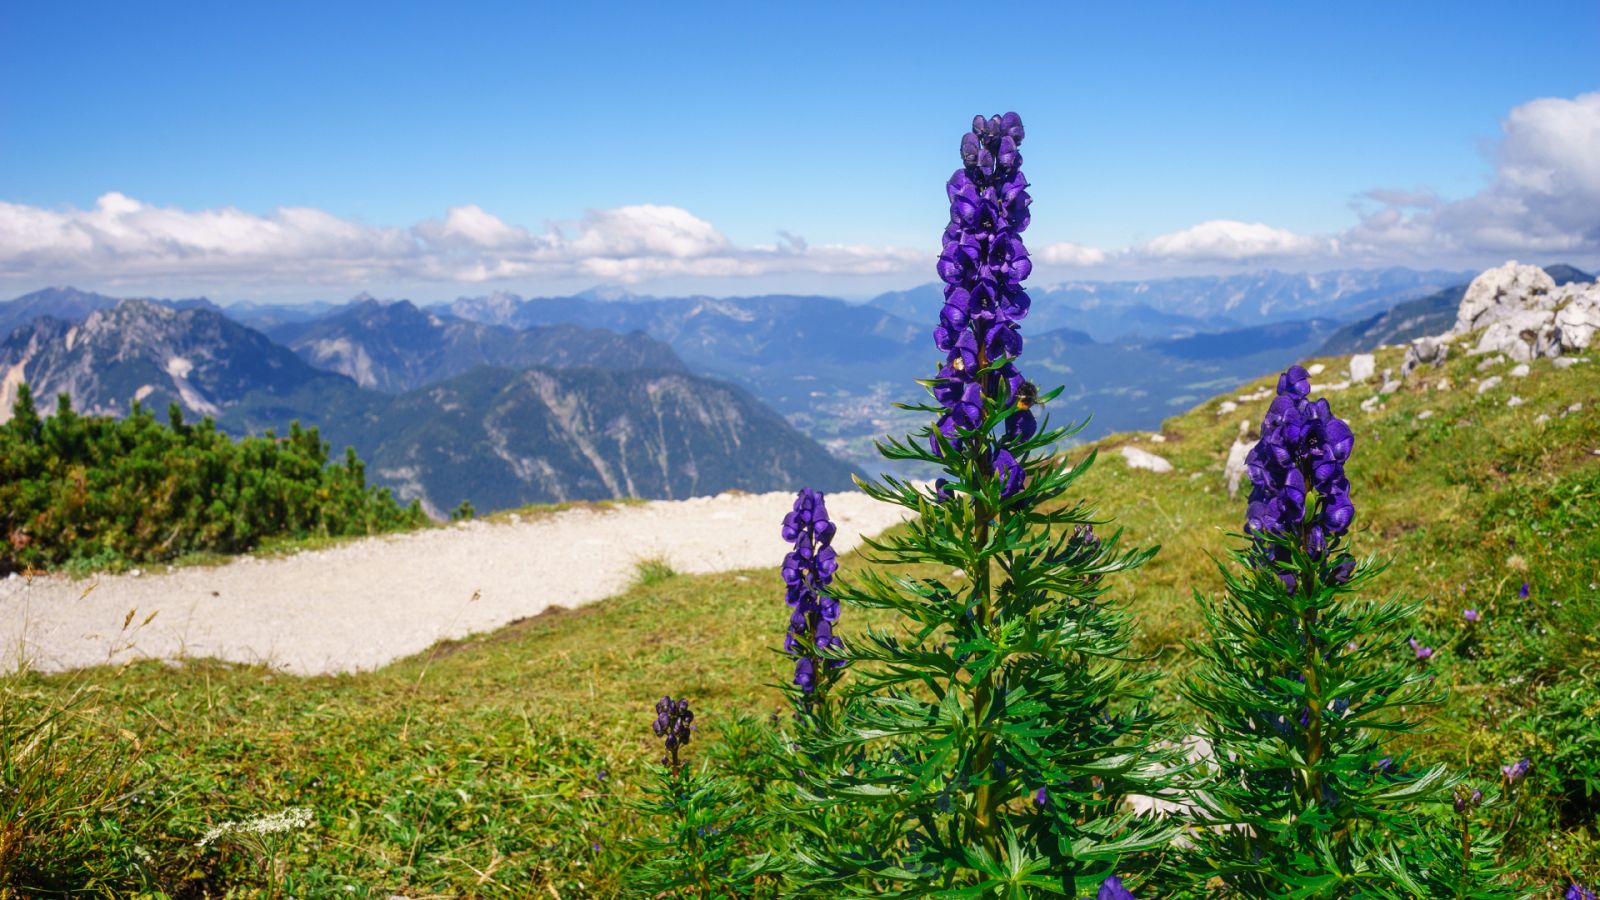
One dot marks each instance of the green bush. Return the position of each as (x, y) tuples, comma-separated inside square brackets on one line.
[(76, 489)]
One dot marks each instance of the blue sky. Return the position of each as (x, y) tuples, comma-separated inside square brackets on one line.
[(717, 127)]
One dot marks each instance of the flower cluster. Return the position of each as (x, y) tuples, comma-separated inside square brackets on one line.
[(807, 570), (1515, 771), (294, 818), (1576, 891), (1303, 449), (673, 723), (982, 266)]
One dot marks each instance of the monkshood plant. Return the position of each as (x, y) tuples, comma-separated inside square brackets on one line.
[(1301, 680), (985, 742), (702, 850)]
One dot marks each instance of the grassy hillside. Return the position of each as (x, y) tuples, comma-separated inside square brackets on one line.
[(500, 766)]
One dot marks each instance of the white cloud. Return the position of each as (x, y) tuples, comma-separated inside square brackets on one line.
[(1543, 199), (1069, 254), (1224, 240), (123, 240)]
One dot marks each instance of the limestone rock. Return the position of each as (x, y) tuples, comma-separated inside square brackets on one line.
[(1389, 387), (1515, 401), (1498, 292), (1521, 371), (1372, 403), (1578, 316), (1362, 365), (1423, 352), (1425, 414), (1489, 384), (1233, 470), (1523, 314), (1316, 369), (1144, 459)]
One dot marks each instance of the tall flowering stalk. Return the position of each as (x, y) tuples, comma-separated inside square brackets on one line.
[(1300, 682), (985, 741), (704, 843), (807, 570)]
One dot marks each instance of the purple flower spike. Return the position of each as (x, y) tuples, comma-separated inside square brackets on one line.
[(1471, 615), (1421, 651), (983, 264), (1516, 770), (1523, 591), (1576, 891), (807, 571), (1298, 485), (1041, 797)]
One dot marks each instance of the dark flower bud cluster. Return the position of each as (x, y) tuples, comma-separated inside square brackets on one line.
[(1298, 468), (982, 266), (674, 722), (807, 570)]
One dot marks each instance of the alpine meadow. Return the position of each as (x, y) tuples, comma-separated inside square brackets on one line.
[(1213, 511)]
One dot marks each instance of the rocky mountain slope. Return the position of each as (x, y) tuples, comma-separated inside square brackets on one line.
[(835, 369), (395, 347), (498, 437), (145, 351), (501, 438)]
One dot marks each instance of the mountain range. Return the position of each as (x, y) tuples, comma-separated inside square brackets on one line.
[(503, 400), (568, 424)]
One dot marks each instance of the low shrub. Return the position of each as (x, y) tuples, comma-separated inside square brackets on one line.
[(99, 491)]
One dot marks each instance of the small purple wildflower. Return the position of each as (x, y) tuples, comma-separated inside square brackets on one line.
[(1523, 591), (674, 722), (1421, 651), (1515, 772), (807, 571), (1113, 889), (1576, 891), (1041, 797), (1471, 615)]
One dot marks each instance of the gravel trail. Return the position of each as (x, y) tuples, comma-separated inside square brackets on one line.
[(360, 605)]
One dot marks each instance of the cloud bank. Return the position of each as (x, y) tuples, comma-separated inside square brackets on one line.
[(1542, 200), (123, 238)]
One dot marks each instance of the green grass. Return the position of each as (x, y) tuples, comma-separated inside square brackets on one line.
[(501, 765)]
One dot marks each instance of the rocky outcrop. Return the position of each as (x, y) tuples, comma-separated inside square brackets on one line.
[(1144, 459), (1522, 313), (1423, 352)]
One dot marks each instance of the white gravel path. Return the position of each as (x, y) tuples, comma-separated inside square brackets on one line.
[(362, 604)]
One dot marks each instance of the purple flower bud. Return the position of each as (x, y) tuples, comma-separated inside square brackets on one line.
[(1515, 772), (1576, 891), (1471, 615), (1421, 651), (1523, 591), (1041, 797)]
